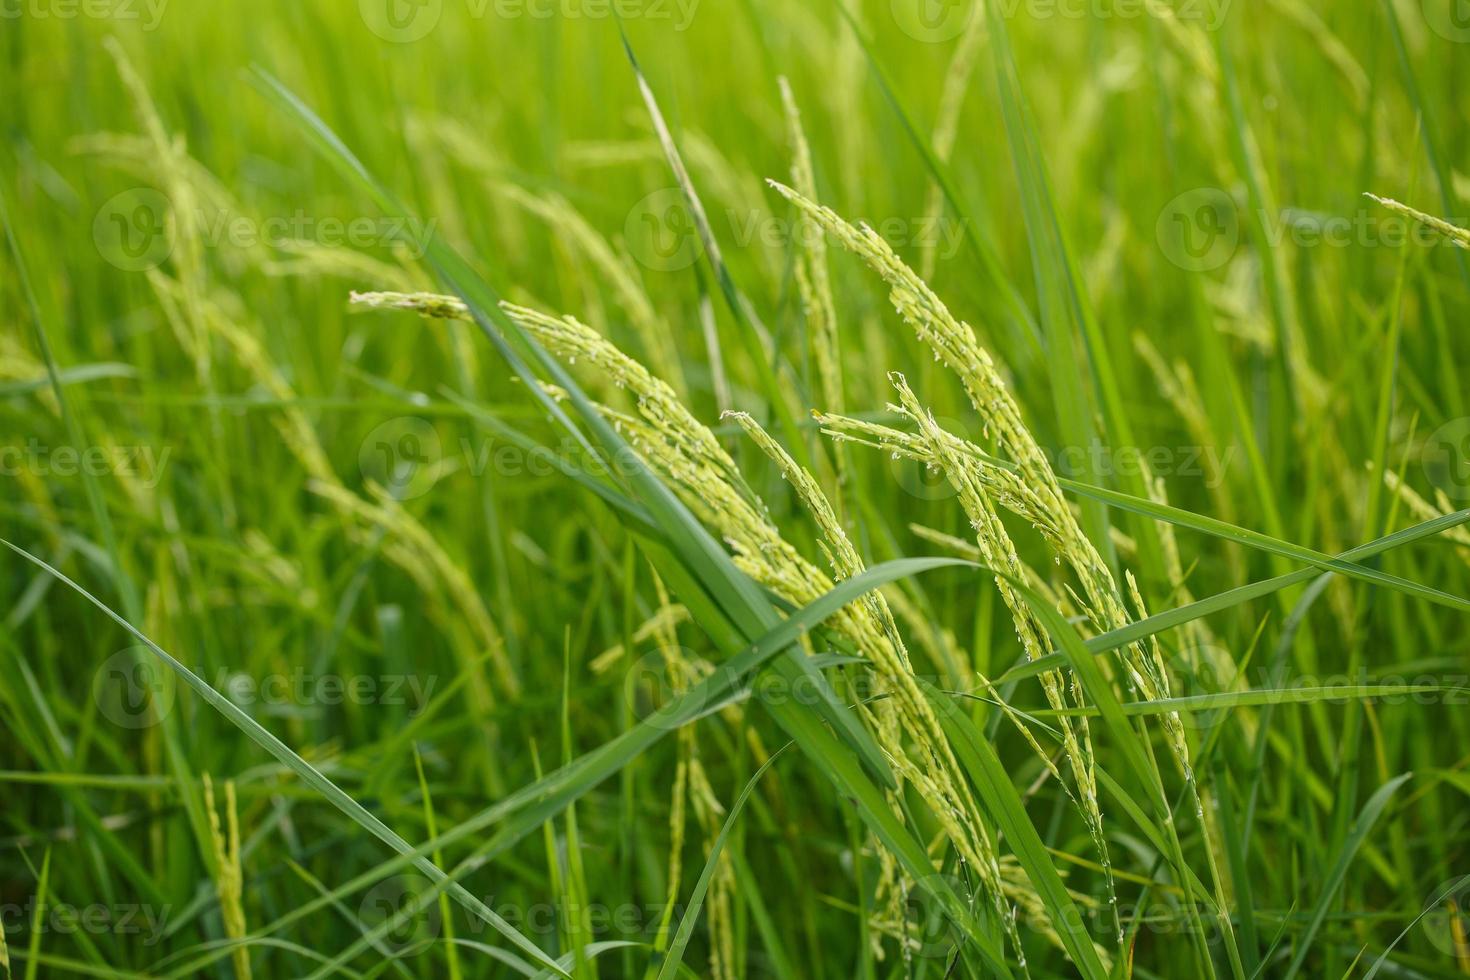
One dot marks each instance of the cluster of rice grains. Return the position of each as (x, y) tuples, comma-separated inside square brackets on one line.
[(1019, 481)]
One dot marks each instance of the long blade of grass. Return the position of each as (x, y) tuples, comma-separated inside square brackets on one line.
[(304, 770), (993, 782), (751, 330), (974, 236), (675, 957), (1369, 815), (567, 784), (1233, 597)]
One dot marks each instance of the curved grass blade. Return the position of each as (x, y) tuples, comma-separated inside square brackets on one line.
[(1233, 597), (557, 789), (675, 957), (308, 773), (1367, 817), (754, 334), (994, 785), (1226, 531)]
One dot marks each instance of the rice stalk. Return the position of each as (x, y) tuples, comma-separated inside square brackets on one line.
[(1456, 235), (677, 445), (229, 878)]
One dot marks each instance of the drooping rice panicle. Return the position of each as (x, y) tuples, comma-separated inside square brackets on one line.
[(1453, 233), (682, 448), (955, 344)]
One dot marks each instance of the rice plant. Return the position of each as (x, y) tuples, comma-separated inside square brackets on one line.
[(842, 490)]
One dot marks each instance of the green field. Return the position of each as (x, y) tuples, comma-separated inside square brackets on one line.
[(725, 488)]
